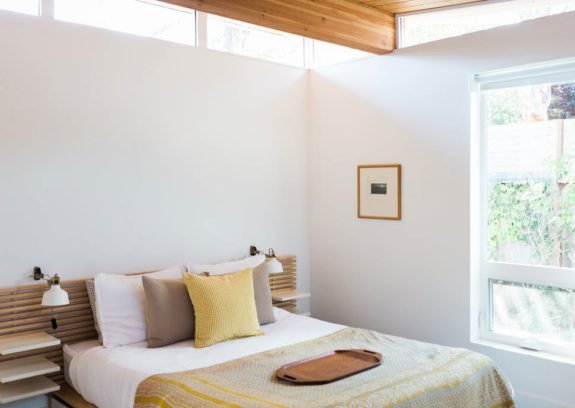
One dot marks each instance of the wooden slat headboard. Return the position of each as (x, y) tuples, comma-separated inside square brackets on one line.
[(285, 280), (21, 312)]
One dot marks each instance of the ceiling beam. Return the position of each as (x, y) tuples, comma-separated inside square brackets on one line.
[(344, 22)]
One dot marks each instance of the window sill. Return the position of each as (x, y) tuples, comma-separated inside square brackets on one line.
[(530, 353)]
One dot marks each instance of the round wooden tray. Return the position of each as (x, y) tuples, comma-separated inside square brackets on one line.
[(329, 367)]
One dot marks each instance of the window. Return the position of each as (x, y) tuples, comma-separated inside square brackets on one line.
[(431, 26), (533, 311), (250, 40), (31, 7), (527, 222), (145, 18), (157, 19)]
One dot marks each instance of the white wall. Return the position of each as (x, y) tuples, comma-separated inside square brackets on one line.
[(120, 153), (411, 277)]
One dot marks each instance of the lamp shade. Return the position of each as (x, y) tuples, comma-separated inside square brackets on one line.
[(55, 296), (272, 265)]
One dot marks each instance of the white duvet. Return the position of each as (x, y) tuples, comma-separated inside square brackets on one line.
[(109, 377)]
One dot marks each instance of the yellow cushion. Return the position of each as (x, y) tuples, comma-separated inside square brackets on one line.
[(224, 305)]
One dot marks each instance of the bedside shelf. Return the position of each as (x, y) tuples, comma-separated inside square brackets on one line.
[(285, 295), (23, 368), (30, 387), (25, 342)]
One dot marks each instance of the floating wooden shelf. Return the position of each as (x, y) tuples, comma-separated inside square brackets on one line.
[(28, 388), (24, 342), (285, 295), (23, 368)]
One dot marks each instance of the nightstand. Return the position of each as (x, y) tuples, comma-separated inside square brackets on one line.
[(24, 377), (287, 299)]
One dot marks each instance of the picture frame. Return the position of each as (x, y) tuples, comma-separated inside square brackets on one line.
[(379, 191)]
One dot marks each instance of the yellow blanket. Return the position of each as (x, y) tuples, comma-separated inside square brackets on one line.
[(412, 375)]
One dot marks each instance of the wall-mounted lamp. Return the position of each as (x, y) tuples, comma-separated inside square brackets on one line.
[(271, 264), (55, 296)]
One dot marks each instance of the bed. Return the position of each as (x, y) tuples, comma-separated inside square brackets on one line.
[(240, 372)]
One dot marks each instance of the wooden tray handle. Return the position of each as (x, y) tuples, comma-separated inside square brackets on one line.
[(370, 353)]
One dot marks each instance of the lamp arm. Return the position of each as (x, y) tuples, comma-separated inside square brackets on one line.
[(39, 275), (254, 251)]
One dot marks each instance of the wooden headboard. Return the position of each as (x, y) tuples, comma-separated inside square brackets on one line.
[(21, 312), (285, 280)]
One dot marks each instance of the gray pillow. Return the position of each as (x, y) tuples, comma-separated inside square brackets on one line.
[(92, 296), (262, 293), (169, 312)]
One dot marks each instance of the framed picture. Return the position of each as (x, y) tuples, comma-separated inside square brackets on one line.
[(379, 191)]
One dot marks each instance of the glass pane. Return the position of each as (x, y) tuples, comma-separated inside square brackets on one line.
[(533, 311), (148, 19), (254, 41), (531, 175), (31, 7), (328, 54), (432, 26)]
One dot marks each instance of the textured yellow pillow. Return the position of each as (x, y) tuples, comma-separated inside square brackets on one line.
[(225, 307)]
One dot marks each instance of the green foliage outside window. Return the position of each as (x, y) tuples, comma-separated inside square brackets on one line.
[(537, 213), (504, 107)]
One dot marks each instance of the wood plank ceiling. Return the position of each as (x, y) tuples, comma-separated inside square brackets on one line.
[(367, 25)]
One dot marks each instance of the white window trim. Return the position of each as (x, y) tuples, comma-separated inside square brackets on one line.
[(201, 29), (47, 9), (481, 270)]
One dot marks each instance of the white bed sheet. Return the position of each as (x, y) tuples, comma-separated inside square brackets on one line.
[(109, 377), (70, 351)]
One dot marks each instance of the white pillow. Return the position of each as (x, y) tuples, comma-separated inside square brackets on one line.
[(121, 306), (228, 267)]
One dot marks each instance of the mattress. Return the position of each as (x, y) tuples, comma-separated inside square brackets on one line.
[(109, 377), (73, 350)]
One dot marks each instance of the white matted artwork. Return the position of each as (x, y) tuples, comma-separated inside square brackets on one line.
[(379, 191)]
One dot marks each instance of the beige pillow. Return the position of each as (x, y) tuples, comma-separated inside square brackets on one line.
[(169, 312), (262, 295)]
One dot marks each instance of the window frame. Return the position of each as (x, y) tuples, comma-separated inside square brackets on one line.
[(483, 270)]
